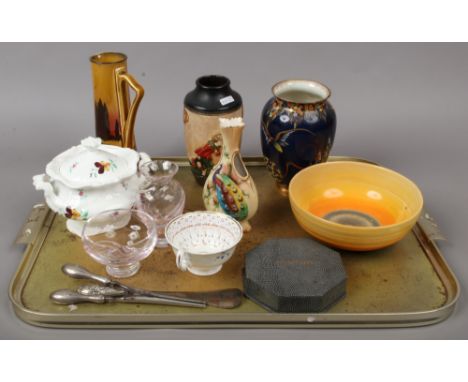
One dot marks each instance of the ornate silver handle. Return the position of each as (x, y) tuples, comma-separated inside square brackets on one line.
[(77, 272), (68, 297)]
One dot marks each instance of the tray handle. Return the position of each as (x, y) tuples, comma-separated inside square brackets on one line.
[(430, 227), (33, 224)]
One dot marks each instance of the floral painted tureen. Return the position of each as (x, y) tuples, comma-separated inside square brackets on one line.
[(90, 178)]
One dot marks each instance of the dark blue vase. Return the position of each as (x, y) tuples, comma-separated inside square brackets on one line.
[(297, 128)]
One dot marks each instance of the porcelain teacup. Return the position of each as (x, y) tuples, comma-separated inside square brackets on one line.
[(203, 241)]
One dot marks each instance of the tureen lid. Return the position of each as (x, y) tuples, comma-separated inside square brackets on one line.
[(92, 164)]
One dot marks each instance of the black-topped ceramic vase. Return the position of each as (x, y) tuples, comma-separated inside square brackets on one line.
[(297, 128), (211, 99)]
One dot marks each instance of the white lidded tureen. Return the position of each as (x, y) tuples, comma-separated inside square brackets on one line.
[(90, 178)]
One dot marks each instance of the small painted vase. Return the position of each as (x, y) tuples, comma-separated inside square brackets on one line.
[(229, 187), (211, 99), (297, 128)]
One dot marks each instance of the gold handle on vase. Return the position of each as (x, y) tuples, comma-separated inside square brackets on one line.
[(128, 120)]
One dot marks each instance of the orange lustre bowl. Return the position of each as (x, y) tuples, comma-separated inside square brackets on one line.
[(353, 205)]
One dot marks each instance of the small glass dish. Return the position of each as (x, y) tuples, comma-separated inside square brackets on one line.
[(161, 196), (120, 239)]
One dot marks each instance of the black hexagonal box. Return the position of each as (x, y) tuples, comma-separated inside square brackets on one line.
[(296, 275)]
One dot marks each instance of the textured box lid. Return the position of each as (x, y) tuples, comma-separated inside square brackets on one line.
[(294, 275)]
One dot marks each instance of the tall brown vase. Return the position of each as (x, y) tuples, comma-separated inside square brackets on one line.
[(115, 114)]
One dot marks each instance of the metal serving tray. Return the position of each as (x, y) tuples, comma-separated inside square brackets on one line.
[(408, 284)]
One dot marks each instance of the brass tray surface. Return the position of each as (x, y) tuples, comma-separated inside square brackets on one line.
[(408, 284)]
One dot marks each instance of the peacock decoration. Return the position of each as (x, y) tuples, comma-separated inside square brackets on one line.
[(229, 187)]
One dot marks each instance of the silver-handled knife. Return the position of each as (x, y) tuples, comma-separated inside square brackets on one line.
[(69, 297)]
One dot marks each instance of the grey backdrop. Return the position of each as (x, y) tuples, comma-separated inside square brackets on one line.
[(403, 105)]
